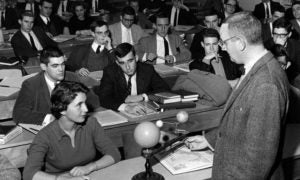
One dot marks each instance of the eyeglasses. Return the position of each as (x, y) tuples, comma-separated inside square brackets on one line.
[(128, 20), (222, 43), (280, 35), (231, 5)]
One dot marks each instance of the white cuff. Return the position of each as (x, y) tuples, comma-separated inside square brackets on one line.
[(144, 57), (47, 120), (146, 99), (122, 107)]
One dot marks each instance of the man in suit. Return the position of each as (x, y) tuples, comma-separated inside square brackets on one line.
[(213, 60), (140, 18), (8, 16), (179, 14), (127, 82), (29, 5), (211, 20), (50, 22), (125, 30), (267, 28), (264, 10), (283, 35), (28, 41), (92, 57), (33, 103), (249, 140), (296, 20), (163, 46)]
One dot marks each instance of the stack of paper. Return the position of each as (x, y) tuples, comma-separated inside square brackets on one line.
[(34, 128), (109, 117), (63, 38), (184, 160)]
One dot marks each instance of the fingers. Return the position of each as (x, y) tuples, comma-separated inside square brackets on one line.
[(77, 171), (83, 72), (196, 143), (169, 59)]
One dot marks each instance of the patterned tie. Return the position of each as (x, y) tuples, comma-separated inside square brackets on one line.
[(129, 86), (166, 44), (32, 42)]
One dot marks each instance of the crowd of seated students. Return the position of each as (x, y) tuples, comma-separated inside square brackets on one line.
[(125, 53)]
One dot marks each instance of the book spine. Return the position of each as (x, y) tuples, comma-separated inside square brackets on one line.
[(11, 135)]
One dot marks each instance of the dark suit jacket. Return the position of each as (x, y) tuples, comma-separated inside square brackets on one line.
[(184, 18), (148, 45), (21, 7), (11, 18), (249, 140), (259, 10), (55, 27), (33, 102), (231, 69), (266, 31), (113, 87), (22, 46), (296, 26), (80, 56)]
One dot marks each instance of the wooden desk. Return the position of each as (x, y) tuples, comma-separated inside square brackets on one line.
[(66, 47), (128, 168)]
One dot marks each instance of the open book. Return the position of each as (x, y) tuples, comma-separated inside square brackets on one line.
[(182, 159), (34, 128), (109, 117)]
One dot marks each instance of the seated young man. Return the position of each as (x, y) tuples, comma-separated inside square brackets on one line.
[(212, 59), (92, 57), (127, 82), (163, 46), (29, 41), (33, 103)]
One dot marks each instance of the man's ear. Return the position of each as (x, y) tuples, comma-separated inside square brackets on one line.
[(136, 58), (93, 34), (19, 21), (202, 44), (43, 66), (241, 44), (290, 34)]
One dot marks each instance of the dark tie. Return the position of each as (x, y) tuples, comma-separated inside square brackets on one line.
[(166, 47), (48, 22), (175, 17), (96, 5), (62, 6), (129, 86), (98, 49), (2, 19), (32, 42), (267, 11)]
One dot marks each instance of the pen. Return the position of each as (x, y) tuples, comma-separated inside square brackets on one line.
[(4, 86), (34, 129)]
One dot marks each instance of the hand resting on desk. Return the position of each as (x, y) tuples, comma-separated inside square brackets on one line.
[(196, 142)]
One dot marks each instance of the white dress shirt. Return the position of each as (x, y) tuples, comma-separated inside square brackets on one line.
[(173, 11), (126, 35), (95, 46), (45, 19), (35, 39), (160, 48)]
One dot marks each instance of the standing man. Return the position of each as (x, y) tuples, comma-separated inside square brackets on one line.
[(249, 140), (125, 30), (162, 47), (8, 16), (296, 20), (33, 103), (127, 82), (92, 57), (28, 41)]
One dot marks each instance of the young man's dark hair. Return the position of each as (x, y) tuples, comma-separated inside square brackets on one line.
[(283, 23), (128, 10), (49, 52), (27, 14), (123, 49), (209, 32), (97, 23)]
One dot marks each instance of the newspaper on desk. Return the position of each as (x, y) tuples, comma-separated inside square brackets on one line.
[(63, 37), (15, 81), (148, 108), (109, 117), (183, 160)]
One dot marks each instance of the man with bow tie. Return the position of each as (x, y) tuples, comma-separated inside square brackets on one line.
[(93, 57)]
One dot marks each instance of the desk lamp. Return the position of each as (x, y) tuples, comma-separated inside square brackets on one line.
[(147, 135)]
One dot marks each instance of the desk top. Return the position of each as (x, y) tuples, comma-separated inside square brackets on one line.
[(128, 168)]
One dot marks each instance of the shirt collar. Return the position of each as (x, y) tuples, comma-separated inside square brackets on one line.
[(95, 46), (44, 18), (161, 38), (50, 83), (59, 132), (123, 28), (248, 66)]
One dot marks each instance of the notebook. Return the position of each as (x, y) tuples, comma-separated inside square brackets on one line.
[(109, 117)]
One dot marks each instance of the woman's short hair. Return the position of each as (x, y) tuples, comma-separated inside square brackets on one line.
[(63, 94)]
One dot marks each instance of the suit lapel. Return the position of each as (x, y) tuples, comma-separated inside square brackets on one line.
[(139, 79), (153, 44), (235, 93), (26, 42), (45, 88), (296, 25)]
